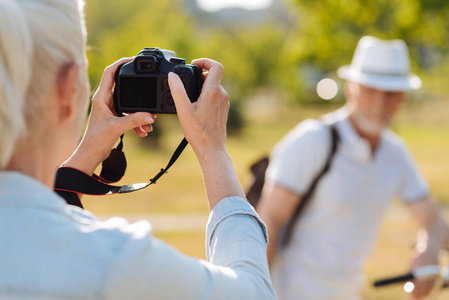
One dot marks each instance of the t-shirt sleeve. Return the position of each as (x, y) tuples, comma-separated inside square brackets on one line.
[(299, 156), (413, 186)]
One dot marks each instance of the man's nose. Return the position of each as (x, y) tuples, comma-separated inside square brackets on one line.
[(380, 102)]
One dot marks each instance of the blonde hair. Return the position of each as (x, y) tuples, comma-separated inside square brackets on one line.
[(37, 38)]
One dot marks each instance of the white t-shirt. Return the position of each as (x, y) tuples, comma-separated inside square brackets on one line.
[(337, 229)]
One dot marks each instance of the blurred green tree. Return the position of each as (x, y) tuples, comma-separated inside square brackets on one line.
[(123, 28), (250, 55), (289, 57), (327, 31)]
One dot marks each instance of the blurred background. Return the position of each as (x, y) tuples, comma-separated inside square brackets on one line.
[(280, 59)]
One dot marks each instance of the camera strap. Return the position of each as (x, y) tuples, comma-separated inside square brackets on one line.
[(70, 182)]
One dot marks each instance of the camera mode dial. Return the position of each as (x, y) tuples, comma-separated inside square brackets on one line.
[(177, 60)]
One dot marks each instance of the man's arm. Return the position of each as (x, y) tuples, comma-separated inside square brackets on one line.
[(276, 207), (432, 238)]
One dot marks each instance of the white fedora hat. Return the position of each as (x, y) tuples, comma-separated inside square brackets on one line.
[(383, 65)]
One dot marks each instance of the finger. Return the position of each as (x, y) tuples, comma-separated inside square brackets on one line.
[(214, 68), (140, 132), (204, 63), (147, 127), (133, 121), (178, 92)]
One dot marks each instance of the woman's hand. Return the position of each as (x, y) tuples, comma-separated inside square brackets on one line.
[(104, 127), (204, 121), (204, 126)]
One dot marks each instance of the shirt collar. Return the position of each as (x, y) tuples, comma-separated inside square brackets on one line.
[(351, 142), (21, 190)]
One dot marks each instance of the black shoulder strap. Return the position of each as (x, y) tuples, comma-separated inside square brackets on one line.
[(305, 199)]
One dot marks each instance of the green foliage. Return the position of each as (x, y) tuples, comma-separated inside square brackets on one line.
[(123, 28), (250, 55), (286, 56), (328, 30)]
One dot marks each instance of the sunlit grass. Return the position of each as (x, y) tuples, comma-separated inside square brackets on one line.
[(190, 243)]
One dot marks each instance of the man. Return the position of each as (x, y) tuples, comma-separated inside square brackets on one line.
[(372, 165)]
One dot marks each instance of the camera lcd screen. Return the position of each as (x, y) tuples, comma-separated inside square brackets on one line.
[(138, 92)]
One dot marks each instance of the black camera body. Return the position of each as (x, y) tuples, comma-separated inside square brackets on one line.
[(142, 85)]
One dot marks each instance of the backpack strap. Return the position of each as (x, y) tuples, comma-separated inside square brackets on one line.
[(258, 169), (305, 199)]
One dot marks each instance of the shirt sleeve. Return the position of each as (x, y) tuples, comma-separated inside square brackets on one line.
[(299, 156), (413, 186), (236, 266)]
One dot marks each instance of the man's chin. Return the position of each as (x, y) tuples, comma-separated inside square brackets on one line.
[(371, 128)]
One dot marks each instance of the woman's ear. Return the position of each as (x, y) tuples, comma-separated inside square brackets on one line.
[(67, 85)]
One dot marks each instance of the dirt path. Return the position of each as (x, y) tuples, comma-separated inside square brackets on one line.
[(197, 222), (168, 222)]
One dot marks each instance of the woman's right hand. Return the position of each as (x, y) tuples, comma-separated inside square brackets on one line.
[(204, 126), (204, 121)]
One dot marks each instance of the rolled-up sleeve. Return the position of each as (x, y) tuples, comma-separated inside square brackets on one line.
[(236, 266), (236, 238)]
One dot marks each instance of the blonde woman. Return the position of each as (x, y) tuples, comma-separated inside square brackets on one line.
[(50, 250)]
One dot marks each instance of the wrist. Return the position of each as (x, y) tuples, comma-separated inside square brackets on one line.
[(213, 155), (219, 176), (205, 154), (85, 160)]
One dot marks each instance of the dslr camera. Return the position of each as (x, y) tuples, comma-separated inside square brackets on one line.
[(142, 85)]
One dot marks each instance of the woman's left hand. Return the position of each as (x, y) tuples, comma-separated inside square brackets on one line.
[(104, 127)]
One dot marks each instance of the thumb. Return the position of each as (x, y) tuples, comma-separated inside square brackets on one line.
[(135, 120), (178, 93)]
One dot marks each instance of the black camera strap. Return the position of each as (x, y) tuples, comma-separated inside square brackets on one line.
[(70, 182)]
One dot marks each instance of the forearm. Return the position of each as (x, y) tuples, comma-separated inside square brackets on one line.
[(219, 176), (236, 239), (434, 233), (84, 159), (434, 237), (276, 208), (273, 234)]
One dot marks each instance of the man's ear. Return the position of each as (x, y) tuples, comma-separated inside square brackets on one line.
[(67, 90), (347, 90)]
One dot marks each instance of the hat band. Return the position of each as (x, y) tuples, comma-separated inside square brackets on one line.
[(372, 72)]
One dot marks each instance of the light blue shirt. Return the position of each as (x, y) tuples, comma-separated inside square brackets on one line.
[(50, 250)]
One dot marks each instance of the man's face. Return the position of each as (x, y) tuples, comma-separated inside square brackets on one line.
[(372, 110)]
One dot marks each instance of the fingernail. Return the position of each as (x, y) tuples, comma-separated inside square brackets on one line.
[(148, 120), (172, 78)]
